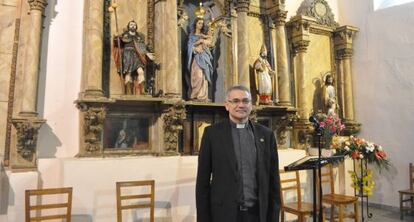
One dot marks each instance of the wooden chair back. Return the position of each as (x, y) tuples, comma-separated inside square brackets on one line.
[(290, 181), (411, 176), (120, 198), (327, 177), (37, 206)]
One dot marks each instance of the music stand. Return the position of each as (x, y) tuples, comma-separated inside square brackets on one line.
[(313, 163)]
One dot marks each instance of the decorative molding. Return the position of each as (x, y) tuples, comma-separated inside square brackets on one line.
[(284, 124), (27, 133), (12, 83), (351, 127), (255, 14), (300, 46), (345, 53), (243, 5), (94, 118), (173, 123), (150, 24), (37, 4), (320, 31), (320, 10)]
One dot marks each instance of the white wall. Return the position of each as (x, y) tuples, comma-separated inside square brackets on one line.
[(384, 86)]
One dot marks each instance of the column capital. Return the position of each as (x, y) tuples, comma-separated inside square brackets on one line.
[(343, 40), (243, 5), (37, 4), (279, 17), (299, 28), (300, 46)]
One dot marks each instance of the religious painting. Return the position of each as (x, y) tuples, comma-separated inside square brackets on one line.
[(127, 133)]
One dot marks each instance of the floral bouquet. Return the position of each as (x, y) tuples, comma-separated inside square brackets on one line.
[(332, 126), (360, 149)]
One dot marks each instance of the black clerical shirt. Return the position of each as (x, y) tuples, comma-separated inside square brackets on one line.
[(245, 150)]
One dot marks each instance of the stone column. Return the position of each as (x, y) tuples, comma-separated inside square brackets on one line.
[(32, 59), (93, 48), (166, 48), (282, 60), (243, 42), (27, 125), (343, 39)]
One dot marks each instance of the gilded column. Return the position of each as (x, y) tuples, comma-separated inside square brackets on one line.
[(299, 36), (279, 19), (273, 43), (299, 28), (242, 42), (166, 48), (235, 70), (343, 38), (32, 59), (93, 48)]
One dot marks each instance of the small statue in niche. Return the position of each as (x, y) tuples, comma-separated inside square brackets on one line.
[(133, 59), (329, 95), (200, 61), (264, 76)]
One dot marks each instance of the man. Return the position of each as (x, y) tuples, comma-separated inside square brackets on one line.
[(263, 76), (237, 177)]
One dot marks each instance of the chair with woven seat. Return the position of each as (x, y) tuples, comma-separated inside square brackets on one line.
[(408, 194), (340, 201), (120, 198), (54, 210), (291, 181)]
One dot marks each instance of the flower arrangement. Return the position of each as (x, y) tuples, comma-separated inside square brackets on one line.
[(332, 126), (366, 183), (361, 149)]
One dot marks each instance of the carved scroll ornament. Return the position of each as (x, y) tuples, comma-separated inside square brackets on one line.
[(173, 123), (27, 133)]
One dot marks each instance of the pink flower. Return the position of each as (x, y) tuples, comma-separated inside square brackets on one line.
[(322, 124)]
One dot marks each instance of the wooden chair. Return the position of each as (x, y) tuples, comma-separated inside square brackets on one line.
[(337, 200), (52, 208), (407, 193), (120, 198), (299, 208)]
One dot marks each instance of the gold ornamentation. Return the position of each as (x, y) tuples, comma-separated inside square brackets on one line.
[(27, 132), (283, 124), (279, 17), (300, 46), (37, 4), (173, 123), (93, 128), (200, 11)]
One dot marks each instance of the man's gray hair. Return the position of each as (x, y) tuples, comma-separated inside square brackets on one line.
[(238, 87)]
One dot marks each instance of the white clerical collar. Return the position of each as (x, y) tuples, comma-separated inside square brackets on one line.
[(241, 125)]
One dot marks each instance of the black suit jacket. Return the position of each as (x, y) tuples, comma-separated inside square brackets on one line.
[(218, 181)]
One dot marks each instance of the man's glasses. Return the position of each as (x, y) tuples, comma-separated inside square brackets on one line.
[(238, 101)]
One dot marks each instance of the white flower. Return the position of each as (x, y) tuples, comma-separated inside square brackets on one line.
[(346, 148), (361, 156), (370, 147), (380, 148), (347, 143)]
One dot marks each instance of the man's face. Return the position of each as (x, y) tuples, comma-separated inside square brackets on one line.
[(239, 105), (132, 26)]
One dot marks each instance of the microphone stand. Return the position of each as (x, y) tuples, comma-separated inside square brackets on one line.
[(319, 133)]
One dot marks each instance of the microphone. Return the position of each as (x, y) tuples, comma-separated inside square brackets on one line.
[(314, 121)]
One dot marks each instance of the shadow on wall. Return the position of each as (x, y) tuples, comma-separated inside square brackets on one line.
[(82, 218), (4, 190), (50, 15), (47, 142)]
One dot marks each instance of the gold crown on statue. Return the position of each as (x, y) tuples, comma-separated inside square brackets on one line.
[(200, 11)]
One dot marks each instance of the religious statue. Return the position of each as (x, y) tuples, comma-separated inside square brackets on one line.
[(200, 61), (329, 95), (132, 59), (264, 76)]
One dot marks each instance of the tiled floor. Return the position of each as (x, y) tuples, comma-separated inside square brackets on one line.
[(389, 215)]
